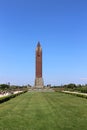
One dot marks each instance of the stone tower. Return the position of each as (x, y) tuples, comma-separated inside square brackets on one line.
[(39, 79)]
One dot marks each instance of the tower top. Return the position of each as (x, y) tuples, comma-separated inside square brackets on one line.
[(38, 45), (38, 48)]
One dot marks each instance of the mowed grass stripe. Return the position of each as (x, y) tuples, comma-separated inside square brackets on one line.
[(71, 111), (12, 112), (44, 111)]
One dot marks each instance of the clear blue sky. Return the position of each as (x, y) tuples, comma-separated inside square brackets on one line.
[(60, 26)]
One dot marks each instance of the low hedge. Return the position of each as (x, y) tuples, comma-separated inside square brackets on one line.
[(80, 95), (6, 98), (77, 94)]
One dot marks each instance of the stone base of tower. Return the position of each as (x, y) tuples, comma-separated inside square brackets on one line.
[(39, 83)]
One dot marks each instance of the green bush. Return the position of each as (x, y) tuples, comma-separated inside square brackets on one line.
[(4, 99), (78, 95)]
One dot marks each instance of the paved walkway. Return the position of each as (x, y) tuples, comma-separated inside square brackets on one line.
[(75, 92), (6, 94), (41, 90), (3, 95)]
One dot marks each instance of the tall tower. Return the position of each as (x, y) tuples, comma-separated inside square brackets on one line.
[(39, 79)]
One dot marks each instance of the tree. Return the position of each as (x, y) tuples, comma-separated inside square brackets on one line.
[(71, 86), (4, 86)]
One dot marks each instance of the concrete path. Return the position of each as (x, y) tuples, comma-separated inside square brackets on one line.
[(6, 94), (75, 92), (41, 90)]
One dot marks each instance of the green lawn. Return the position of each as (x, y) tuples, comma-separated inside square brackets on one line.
[(44, 111)]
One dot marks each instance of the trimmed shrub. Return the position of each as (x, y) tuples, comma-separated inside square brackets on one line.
[(77, 94), (4, 99)]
